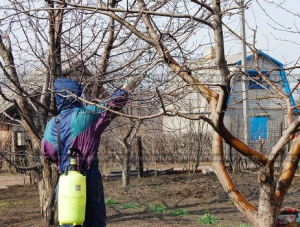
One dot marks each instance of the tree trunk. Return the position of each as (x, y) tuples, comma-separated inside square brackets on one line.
[(140, 157), (126, 170), (267, 206), (47, 179), (221, 172)]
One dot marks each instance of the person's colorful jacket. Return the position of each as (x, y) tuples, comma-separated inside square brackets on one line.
[(80, 127)]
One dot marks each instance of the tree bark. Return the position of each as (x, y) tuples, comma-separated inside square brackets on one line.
[(47, 179), (267, 206), (126, 170)]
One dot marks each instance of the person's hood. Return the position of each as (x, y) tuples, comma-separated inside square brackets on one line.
[(63, 99)]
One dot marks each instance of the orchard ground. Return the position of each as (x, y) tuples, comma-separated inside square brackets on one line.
[(192, 196)]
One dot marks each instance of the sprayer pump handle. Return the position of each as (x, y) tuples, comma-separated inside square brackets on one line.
[(73, 152)]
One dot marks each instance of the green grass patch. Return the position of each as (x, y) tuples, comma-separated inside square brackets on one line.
[(130, 205), (230, 202), (179, 212), (164, 183), (111, 202), (3, 205), (207, 218), (158, 208)]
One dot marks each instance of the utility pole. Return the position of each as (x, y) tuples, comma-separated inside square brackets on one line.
[(244, 81)]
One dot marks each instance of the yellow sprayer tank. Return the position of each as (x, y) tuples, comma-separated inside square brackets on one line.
[(71, 198)]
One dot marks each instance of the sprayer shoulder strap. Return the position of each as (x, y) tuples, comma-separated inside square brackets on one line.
[(57, 120)]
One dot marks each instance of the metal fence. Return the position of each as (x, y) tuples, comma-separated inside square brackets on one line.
[(158, 150)]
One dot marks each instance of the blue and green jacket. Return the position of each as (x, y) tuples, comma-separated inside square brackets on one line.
[(80, 127)]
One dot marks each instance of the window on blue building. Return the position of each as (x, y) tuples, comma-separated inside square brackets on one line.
[(258, 127), (256, 81)]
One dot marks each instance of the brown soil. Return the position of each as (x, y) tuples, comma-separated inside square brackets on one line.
[(197, 194)]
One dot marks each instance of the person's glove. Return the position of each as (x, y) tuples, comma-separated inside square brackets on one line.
[(133, 82)]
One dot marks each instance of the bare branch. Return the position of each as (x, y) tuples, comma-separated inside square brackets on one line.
[(33, 167)]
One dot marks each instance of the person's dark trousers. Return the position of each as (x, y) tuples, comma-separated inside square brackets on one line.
[(95, 205)]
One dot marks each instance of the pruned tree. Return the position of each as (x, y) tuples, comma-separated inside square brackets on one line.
[(125, 138), (40, 42), (209, 14), (146, 36)]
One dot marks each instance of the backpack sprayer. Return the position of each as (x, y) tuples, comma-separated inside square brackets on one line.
[(71, 188), (72, 193)]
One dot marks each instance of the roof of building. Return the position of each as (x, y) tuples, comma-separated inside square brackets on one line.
[(234, 62)]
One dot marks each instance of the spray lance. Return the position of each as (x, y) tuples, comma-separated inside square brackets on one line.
[(72, 193)]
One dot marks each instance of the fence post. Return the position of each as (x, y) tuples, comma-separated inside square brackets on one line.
[(140, 157)]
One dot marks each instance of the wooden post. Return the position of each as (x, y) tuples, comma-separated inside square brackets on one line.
[(140, 157)]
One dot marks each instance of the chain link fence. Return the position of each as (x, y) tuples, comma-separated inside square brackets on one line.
[(159, 150)]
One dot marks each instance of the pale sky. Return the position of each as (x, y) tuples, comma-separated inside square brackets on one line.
[(278, 30)]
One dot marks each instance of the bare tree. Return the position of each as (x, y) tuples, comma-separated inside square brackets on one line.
[(125, 139), (209, 14), (150, 34), (43, 41)]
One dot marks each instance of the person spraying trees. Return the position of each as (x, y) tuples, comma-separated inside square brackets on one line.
[(80, 128)]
